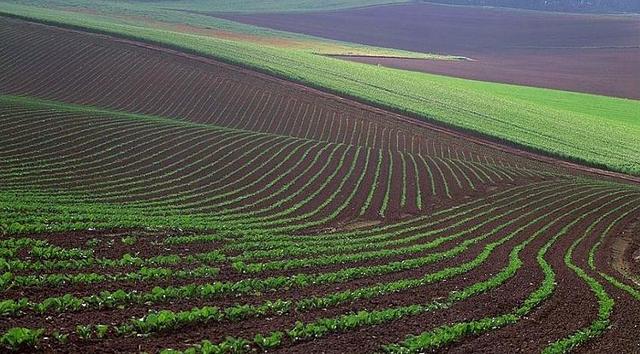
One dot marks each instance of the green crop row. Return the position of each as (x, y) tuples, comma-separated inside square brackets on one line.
[(321, 327), (9, 280), (447, 334), (19, 338), (277, 217), (296, 226), (226, 198), (268, 307), (108, 299), (634, 292), (252, 145), (357, 257), (605, 302), (288, 248), (189, 239), (166, 319), (145, 187), (374, 185), (126, 260), (386, 232)]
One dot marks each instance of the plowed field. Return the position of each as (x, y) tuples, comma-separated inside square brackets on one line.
[(154, 200)]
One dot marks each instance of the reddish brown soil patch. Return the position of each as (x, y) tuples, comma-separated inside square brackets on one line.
[(586, 53)]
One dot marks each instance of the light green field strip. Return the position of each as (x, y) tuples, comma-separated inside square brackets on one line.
[(252, 6), (568, 125), (133, 13)]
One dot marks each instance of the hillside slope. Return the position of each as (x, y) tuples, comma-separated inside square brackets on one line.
[(562, 124)]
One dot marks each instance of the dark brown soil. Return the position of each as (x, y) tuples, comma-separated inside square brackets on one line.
[(586, 53)]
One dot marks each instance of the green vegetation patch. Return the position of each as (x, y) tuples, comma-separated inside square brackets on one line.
[(253, 6), (595, 130)]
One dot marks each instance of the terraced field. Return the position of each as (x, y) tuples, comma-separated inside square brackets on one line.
[(151, 200)]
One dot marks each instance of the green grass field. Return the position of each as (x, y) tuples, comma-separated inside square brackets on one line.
[(595, 130), (132, 12), (171, 15)]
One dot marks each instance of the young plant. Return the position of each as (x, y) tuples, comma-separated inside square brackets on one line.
[(129, 240), (60, 337), (101, 331), (19, 338), (271, 341), (84, 332)]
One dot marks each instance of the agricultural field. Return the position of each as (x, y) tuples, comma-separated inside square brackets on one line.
[(554, 123), (559, 51), (166, 192)]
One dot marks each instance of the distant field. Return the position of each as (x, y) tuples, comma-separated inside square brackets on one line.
[(586, 53), (593, 6), (559, 123), (170, 15), (268, 5)]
